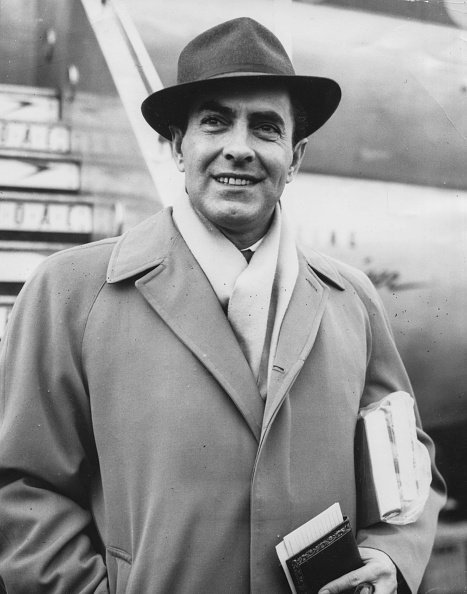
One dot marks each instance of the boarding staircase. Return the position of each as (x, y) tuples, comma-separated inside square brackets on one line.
[(55, 192), (42, 207)]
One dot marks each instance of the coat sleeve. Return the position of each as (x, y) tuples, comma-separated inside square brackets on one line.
[(47, 453), (408, 546)]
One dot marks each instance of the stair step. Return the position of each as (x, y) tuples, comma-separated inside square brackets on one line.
[(45, 215), (59, 219), (29, 103), (23, 171), (35, 136)]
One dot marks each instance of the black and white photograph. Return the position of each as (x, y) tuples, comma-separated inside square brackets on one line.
[(233, 297)]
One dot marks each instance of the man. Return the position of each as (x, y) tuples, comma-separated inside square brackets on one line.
[(171, 411)]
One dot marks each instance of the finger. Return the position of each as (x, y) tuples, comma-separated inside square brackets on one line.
[(349, 581)]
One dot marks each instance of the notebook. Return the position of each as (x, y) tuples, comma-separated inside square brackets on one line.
[(319, 551)]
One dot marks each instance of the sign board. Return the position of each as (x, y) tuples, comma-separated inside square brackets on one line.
[(40, 174), (30, 106), (35, 136), (46, 216)]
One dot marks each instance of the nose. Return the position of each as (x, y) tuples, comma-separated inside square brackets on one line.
[(237, 146)]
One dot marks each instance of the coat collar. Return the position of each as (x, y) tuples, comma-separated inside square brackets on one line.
[(142, 247), (145, 246)]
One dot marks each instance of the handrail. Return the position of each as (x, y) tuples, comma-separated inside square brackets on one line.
[(135, 77), (141, 57)]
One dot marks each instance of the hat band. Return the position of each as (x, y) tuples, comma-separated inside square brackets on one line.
[(232, 70)]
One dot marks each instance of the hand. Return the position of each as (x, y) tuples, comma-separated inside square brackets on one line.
[(378, 570)]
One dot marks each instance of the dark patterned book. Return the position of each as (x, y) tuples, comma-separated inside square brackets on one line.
[(318, 552)]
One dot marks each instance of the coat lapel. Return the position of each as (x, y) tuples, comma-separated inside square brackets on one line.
[(299, 328), (179, 292)]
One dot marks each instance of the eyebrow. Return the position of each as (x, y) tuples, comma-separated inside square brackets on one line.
[(212, 105), (270, 115)]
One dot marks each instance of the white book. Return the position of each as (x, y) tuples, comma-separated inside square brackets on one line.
[(381, 464), (393, 467), (405, 438)]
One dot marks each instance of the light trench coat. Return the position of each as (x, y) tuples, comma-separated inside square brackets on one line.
[(136, 454)]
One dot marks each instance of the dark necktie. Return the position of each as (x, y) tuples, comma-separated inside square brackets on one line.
[(247, 254)]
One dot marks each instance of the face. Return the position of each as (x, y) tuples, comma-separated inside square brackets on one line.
[(237, 155)]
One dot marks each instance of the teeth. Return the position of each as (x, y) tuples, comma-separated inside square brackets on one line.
[(234, 181)]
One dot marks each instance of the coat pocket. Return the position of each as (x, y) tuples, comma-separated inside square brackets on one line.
[(118, 569)]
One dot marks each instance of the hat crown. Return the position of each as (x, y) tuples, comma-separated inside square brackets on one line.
[(235, 46)]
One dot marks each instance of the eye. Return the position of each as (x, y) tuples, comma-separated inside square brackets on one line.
[(268, 131), (212, 122)]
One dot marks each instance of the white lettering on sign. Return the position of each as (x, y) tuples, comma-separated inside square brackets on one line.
[(25, 106), (59, 139), (58, 217), (39, 174), (35, 136)]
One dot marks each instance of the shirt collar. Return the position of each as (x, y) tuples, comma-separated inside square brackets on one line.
[(255, 246)]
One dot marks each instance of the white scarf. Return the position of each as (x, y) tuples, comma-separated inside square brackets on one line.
[(244, 290)]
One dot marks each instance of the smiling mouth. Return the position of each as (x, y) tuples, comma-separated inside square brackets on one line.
[(234, 180)]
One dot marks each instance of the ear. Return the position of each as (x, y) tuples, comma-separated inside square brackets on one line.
[(298, 154), (177, 154)]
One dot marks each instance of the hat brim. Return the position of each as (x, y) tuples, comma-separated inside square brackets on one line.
[(318, 96)]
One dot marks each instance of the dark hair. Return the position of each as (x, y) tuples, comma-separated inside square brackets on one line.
[(300, 118)]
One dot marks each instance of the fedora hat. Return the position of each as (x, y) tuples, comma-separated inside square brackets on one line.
[(244, 50)]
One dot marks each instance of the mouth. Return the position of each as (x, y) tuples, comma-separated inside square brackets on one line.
[(235, 180)]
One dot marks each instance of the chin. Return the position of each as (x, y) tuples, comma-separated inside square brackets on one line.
[(235, 215)]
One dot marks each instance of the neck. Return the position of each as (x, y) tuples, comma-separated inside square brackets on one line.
[(244, 240), (241, 238)]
